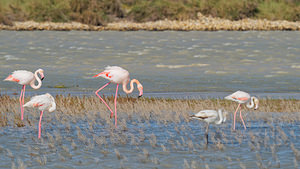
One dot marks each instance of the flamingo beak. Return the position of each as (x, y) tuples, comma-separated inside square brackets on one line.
[(140, 87), (42, 76)]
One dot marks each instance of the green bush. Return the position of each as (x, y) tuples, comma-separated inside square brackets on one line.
[(279, 10), (153, 10), (233, 9)]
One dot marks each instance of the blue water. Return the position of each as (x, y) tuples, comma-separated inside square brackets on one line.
[(165, 62)]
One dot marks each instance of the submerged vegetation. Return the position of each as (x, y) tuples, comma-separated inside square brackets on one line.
[(101, 12)]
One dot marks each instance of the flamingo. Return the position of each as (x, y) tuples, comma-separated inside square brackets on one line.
[(43, 102), (118, 75), (210, 116), (24, 77), (242, 98)]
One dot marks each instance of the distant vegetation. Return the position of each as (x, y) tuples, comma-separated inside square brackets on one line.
[(100, 12)]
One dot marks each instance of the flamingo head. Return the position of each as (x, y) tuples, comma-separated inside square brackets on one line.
[(41, 72), (140, 88), (225, 113), (256, 103)]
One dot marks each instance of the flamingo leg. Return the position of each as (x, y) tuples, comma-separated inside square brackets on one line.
[(235, 116), (206, 133), (242, 118), (103, 100), (116, 105), (41, 116), (21, 101)]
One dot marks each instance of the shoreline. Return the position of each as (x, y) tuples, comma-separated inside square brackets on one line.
[(156, 95), (203, 23)]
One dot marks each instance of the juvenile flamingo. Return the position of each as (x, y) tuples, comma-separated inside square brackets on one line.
[(116, 74), (242, 98), (42, 102), (24, 77), (210, 116)]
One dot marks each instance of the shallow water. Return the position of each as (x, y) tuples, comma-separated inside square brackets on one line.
[(141, 143), (257, 62)]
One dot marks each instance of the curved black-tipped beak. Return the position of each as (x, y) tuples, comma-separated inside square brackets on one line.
[(42, 78), (140, 96)]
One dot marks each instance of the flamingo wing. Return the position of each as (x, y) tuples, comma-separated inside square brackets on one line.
[(205, 114)]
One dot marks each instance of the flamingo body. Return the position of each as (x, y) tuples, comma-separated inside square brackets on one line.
[(211, 116), (239, 96), (43, 102), (115, 74), (23, 77)]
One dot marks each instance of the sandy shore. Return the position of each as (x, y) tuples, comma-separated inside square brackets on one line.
[(203, 23)]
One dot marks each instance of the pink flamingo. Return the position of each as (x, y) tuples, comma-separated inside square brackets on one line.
[(242, 98), (24, 78), (43, 102), (118, 75)]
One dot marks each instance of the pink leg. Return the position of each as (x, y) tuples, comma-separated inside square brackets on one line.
[(40, 124), (116, 105), (21, 105), (103, 100), (235, 116), (242, 119), (23, 102)]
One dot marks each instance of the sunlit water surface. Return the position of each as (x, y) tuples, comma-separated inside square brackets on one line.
[(165, 62)]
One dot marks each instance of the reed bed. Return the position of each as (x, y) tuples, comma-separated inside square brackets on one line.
[(157, 109)]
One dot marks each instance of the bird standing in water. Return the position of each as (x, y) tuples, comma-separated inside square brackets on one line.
[(24, 77), (43, 102), (210, 116), (242, 98), (118, 75)]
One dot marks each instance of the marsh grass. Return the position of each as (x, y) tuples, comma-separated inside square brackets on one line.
[(91, 109)]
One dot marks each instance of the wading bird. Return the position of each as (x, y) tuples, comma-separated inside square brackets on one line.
[(24, 77), (242, 98), (210, 116), (116, 74), (43, 102)]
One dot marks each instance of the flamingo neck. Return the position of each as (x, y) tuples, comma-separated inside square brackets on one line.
[(131, 86), (220, 116), (250, 104), (32, 84)]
